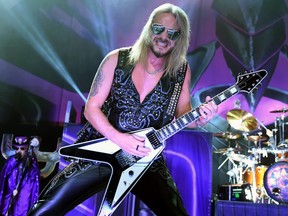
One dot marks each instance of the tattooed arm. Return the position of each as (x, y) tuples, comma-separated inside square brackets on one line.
[(99, 91)]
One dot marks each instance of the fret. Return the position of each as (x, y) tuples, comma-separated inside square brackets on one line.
[(164, 132), (222, 97), (227, 94), (171, 127), (192, 117), (196, 113), (176, 127), (166, 129), (160, 135), (233, 90), (216, 100)]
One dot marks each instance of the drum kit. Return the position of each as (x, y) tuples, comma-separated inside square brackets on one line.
[(267, 179)]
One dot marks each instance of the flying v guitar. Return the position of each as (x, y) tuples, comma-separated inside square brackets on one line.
[(127, 169)]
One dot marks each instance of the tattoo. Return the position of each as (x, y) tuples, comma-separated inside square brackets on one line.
[(98, 80)]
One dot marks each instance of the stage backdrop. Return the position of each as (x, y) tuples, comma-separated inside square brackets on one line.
[(51, 49)]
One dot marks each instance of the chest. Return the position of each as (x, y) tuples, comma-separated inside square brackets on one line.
[(144, 82)]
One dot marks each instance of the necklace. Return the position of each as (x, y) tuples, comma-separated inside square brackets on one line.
[(155, 71)]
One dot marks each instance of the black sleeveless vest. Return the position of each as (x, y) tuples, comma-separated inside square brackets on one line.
[(123, 108)]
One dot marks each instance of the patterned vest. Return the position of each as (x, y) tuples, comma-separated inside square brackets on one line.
[(123, 107)]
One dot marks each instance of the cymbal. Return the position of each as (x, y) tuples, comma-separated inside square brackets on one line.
[(241, 120), (257, 138), (227, 135), (221, 151), (284, 110), (227, 150)]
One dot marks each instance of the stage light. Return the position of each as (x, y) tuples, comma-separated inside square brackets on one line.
[(28, 27)]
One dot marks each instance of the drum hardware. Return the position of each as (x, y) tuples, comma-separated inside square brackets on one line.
[(241, 120), (228, 154), (235, 172), (275, 139), (283, 110), (279, 127)]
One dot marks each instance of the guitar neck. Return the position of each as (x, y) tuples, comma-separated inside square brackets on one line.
[(180, 123)]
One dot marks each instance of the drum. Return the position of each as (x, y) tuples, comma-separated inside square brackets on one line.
[(259, 175), (276, 182)]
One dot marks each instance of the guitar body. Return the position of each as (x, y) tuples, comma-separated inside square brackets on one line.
[(126, 169)]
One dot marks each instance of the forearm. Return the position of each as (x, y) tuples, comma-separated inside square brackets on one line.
[(100, 122), (128, 142)]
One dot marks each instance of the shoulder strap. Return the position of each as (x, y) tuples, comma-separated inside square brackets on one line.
[(170, 111), (123, 62)]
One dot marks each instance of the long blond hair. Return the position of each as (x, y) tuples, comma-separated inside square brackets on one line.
[(175, 59)]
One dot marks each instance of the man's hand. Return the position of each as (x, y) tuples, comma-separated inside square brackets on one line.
[(207, 111)]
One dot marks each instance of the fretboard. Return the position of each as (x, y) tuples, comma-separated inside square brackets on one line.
[(180, 123)]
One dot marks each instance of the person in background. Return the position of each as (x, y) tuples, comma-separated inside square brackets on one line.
[(20, 178), (146, 85)]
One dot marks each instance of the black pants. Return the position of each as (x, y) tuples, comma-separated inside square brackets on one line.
[(79, 181)]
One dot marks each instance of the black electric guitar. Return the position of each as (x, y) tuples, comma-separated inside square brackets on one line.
[(127, 169)]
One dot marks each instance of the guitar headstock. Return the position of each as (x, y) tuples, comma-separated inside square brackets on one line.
[(249, 81)]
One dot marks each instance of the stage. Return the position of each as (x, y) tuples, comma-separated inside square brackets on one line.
[(239, 208)]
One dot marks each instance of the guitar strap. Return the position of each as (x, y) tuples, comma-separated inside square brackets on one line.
[(170, 111)]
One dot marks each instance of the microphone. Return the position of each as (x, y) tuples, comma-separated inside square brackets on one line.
[(17, 156), (34, 142)]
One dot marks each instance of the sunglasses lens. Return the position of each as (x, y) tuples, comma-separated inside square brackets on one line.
[(157, 29), (173, 34)]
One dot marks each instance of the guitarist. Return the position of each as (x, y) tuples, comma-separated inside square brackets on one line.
[(146, 85)]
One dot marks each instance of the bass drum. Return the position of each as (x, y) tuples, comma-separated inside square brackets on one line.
[(276, 182)]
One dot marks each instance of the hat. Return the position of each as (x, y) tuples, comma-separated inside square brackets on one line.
[(21, 141)]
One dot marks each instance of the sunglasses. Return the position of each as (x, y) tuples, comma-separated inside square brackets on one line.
[(22, 148), (157, 29)]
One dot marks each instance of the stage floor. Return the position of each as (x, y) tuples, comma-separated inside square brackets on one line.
[(239, 208)]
